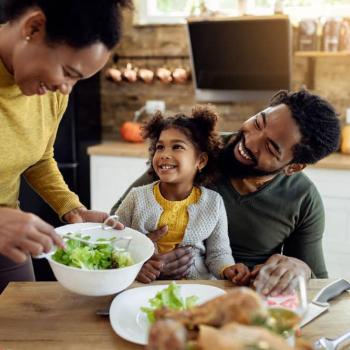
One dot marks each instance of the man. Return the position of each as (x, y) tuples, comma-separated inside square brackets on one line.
[(275, 213)]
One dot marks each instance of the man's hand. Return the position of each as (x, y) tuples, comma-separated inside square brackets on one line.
[(278, 273), (171, 265), (150, 271), (24, 233), (176, 263), (84, 215), (238, 274)]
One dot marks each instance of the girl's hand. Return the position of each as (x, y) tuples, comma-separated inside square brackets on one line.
[(150, 271), (238, 274), (156, 235)]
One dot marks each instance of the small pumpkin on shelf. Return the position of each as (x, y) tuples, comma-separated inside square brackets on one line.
[(131, 131)]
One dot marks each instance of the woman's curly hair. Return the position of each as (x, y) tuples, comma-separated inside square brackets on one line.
[(78, 23), (199, 128)]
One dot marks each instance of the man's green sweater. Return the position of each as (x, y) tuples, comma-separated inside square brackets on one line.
[(285, 216)]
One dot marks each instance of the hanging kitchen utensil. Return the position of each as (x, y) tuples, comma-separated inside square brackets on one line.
[(145, 75), (114, 74), (164, 75), (129, 73), (180, 74)]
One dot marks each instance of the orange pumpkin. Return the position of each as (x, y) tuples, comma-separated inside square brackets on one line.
[(131, 132)]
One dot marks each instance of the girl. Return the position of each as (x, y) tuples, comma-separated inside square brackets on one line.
[(182, 153)]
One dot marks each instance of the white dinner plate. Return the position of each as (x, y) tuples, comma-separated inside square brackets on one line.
[(130, 323)]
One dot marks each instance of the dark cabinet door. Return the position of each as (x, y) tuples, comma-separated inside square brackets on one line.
[(79, 129)]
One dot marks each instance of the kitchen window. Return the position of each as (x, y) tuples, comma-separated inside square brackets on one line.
[(171, 12)]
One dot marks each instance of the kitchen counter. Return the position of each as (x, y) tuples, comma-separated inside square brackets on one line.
[(335, 161), (120, 149)]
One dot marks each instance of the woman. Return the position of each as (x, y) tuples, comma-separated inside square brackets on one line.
[(46, 46)]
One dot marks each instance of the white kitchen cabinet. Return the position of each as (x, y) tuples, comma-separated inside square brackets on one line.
[(334, 188), (110, 178)]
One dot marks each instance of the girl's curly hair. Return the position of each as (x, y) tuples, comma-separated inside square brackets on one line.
[(199, 128)]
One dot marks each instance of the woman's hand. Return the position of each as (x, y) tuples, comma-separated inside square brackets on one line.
[(276, 275), (24, 233), (84, 215), (238, 274)]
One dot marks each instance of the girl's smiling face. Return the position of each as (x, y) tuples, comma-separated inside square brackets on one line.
[(176, 160)]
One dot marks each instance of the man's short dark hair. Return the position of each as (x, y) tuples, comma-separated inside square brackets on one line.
[(318, 123), (78, 23)]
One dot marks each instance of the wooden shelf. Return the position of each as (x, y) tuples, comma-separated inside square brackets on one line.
[(312, 57), (233, 18), (315, 54)]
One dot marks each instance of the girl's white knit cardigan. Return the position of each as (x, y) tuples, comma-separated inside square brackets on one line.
[(206, 230)]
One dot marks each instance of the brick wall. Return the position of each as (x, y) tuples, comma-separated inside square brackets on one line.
[(160, 45)]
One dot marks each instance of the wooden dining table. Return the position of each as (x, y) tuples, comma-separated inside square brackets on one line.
[(45, 316)]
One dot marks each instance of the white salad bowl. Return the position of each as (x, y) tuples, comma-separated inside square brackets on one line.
[(102, 282)]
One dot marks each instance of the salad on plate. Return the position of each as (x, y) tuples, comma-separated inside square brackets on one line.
[(170, 298)]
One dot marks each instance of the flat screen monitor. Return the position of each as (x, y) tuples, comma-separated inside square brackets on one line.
[(240, 59)]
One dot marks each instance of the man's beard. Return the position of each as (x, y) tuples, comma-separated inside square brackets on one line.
[(232, 168)]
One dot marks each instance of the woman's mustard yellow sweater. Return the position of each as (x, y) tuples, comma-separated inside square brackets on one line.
[(28, 127)]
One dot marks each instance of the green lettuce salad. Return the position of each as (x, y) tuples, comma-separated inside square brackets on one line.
[(169, 297), (90, 256)]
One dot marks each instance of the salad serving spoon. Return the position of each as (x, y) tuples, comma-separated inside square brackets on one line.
[(109, 223), (111, 241), (101, 241)]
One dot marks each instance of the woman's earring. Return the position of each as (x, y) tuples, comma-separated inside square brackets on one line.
[(28, 37)]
